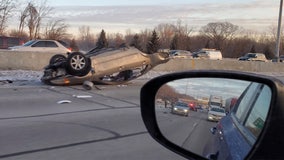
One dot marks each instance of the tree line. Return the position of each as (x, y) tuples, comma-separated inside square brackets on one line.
[(233, 41)]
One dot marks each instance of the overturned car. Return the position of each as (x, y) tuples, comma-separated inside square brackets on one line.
[(102, 66)]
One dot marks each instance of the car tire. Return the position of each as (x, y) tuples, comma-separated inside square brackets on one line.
[(57, 58), (78, 64)]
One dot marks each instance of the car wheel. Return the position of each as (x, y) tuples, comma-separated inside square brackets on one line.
[(57, 58), (78, 64)]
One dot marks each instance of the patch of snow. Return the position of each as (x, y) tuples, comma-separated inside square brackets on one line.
[(20, 75), (152, 74)]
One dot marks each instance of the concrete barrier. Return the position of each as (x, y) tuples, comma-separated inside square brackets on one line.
[(11, 60), (225, 64)]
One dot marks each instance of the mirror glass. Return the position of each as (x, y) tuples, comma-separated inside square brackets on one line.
[(208, 116)]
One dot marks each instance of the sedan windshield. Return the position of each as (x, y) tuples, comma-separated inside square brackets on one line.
[(218, 110), (181, 104)]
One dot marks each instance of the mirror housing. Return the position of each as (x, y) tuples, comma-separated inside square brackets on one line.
[(272, 130)]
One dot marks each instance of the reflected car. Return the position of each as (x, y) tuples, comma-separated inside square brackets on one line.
[(101, 65), (49, 46), (216, 113), (243, 125), (193, 106), (180, 108)]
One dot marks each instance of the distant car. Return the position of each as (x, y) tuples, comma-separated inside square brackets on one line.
[(50, 46), (281, 59), (253, 57), (180, 54), (206, 53), (101, 65), (180, 108), (192, 106), (216, 113)]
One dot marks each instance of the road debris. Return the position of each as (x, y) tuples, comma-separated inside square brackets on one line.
[(63, 101), (82, 96)]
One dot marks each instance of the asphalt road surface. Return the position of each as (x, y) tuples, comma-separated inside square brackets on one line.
[(191, 132), (41, 122), (70, 123)]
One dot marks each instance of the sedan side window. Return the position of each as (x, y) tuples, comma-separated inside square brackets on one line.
[(259, 112), (50, 44), (39, 44)]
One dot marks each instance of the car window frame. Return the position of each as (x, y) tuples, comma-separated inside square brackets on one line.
[(36, 44), (240, 125), (47, 44), (44, 44), (245, 111), (257, 111)]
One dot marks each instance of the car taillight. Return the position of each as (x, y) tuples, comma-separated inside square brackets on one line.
[(66, 81)]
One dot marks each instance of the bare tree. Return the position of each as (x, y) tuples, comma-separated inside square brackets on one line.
[(23, 16), (136, 42), (167, 94), (31, 21), (86, 39), (218, 32), (34, 15), (15, 33), (273, 32), (115, 40), (166, 33), (6, 8), (183, 29), (144, 38), (43, 11), (56, 29), (181, 37)]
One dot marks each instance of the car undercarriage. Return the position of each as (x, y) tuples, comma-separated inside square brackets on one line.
[(102, 66)]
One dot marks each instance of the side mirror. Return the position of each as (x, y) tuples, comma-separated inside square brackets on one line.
[(254, 118)]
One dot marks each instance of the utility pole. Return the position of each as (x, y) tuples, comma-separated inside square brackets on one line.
[(278, 31)]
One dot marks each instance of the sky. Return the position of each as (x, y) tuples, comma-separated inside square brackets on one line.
[(204, 87), (120, 15)]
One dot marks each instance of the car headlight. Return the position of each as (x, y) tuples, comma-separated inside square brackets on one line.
[(175, 109), (185, 110)]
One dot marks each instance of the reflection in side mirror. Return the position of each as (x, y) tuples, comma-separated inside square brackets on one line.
[(204, 115), (213, 130)]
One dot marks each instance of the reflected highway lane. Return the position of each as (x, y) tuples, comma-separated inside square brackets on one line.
[(46, 122), (192, 132)]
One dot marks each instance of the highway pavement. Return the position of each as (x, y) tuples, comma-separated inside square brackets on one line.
[(41, 122)]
